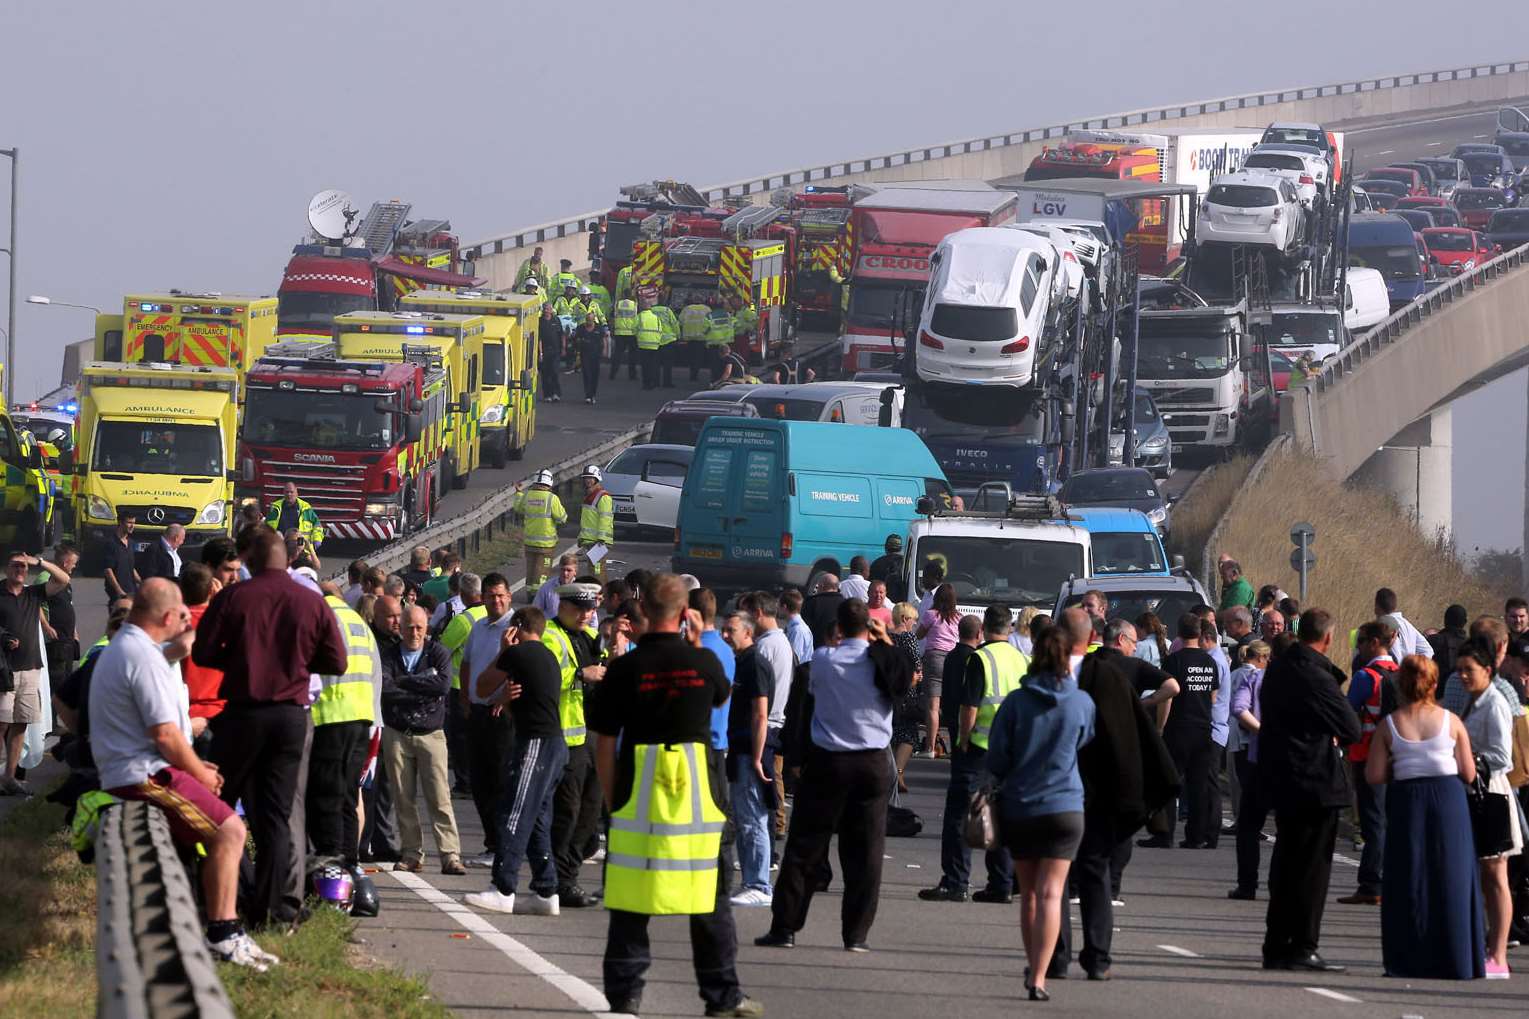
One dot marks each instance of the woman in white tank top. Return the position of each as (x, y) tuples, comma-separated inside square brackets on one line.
[(1431, 912)]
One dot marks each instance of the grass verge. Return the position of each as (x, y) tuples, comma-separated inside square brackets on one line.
[(1203, 506), (1364, 541), (47, 945)]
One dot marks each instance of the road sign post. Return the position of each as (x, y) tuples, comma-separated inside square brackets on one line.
[(1302, 559)]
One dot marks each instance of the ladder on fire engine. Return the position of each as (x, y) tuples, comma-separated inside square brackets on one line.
[(382, 224), (746, 221)]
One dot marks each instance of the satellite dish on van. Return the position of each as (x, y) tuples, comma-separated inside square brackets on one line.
[(333, 215)]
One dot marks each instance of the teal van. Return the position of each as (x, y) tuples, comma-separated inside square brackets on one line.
[(769, 503), (1125, 541)]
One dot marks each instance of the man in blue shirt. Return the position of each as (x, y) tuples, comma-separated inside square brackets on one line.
[(704, 601), (797, 632)]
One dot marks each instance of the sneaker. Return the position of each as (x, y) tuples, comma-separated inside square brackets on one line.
[(481, 860), (752, 897), (598, 857), (241, 950), (492, 900), (1358, 843), (1117, 903), (1497, 970), (747, 1008), (12, 787), (925, 755), (531, 904)]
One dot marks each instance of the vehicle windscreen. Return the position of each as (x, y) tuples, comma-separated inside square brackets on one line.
[(1478, 198), (1294, 136), (1117, 552), (993, 568), (1514, 145), (343, 421), (1514, 220), (874, 307), (1395, 261), (1146, 411), (1131, 604), (630, 461), (1400, 176), (1291, 329), (978, 325), (1171, 349), (306, 308), (1108, 486), (959, 411), (1242, 196), (1448, 242), (1383, 186), (678, 429), (493, 364), (1482, 162), (619, 236), (1273, 161), (1443, 169), (1420, 219), (788, 409), (142, 447)]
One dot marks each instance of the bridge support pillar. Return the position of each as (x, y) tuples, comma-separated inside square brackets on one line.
[(1414, 468)]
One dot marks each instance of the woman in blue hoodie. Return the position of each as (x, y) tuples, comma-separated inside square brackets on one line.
[(1033, 753)]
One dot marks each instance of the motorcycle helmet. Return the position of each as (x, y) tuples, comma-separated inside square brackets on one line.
[(334, 886), (365, 902)]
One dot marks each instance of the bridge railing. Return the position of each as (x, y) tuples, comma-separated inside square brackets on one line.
[(1388, 331), (1148, 117)]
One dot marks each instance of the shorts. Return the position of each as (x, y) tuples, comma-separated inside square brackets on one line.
[(194, 813), (1047, 837), (22, 705)]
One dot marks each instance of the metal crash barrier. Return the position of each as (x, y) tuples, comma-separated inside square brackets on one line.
[(152, 960)]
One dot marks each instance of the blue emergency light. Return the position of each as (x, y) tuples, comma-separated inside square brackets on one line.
[(414, 329)]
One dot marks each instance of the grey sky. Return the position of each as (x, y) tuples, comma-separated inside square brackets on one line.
[(180, 149)]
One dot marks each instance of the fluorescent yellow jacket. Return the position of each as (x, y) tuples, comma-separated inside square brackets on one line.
[(597, 518), (1003, 669), (542, 512), (356, 694), (650, 330)]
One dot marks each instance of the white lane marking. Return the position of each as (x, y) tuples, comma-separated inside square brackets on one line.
[(1340, 858), (914, 866), (1385, 152), (1479, 136), (1176, 950), (581, 993), (1432, 144), (1334, 995), (1420, 123)]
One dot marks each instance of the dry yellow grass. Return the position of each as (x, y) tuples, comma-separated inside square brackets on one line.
[(47, 918), (1364, 542), (1206, 502)]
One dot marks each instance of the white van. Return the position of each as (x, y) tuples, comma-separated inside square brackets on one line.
[(1365, 301), (987, 306)]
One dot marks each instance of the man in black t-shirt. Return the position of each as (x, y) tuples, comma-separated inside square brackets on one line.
[(524, 680), (662, 692), (1187, 734), (61, 638), (20, 620)]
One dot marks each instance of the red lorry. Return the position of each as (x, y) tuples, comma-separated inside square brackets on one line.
[(893, 233)]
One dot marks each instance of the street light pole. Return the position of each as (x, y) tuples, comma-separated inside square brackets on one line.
[(10, 298)]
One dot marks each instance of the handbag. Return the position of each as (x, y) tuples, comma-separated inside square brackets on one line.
[(1491, 826), (980, 828)]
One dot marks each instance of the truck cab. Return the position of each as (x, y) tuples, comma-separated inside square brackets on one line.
[(1192, 361), (508, 377), (383, 336), (982, 434), (158, 439), (1017, 554)]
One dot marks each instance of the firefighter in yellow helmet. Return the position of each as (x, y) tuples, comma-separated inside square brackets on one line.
[(541, 512), (662, 788)]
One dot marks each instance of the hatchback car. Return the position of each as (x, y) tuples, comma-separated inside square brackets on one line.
[(1306, 169), (1251, 208), (1306, 135), (1476, 205), (1508, 229), (1154, 449), (1123, 487), (1454, 250), (644, 483)]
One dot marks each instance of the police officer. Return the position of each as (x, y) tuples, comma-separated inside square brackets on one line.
[(576, 804), (343, 714), (745, 322), (552, 337), (719, 337), (565, 277), (667, 342), (624, 333), (623, 282), (650, 337), (597, 519), (693, 323), (541, 512), (662, 788), (994, 669)]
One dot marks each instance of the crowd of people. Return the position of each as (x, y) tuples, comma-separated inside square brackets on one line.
[(647, 723)]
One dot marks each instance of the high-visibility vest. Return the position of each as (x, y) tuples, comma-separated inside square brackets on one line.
[(350, 696), (693, 321), (564, 279), (542, 512), (661, 852), (601, 297), (597, 518), (650, 330), (669, 322), (623, 282), (307, 520), (1003, 669), (569, 307), (95, 648), (454, 638), (745, 319), (591, 305), (625, 319), (570, 698), (1369, 713), (719, 328)]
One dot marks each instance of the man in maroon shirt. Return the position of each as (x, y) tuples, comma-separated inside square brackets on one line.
[(267, 635)]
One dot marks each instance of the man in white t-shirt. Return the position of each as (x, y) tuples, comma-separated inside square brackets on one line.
[(141, 738), (856, 585)]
